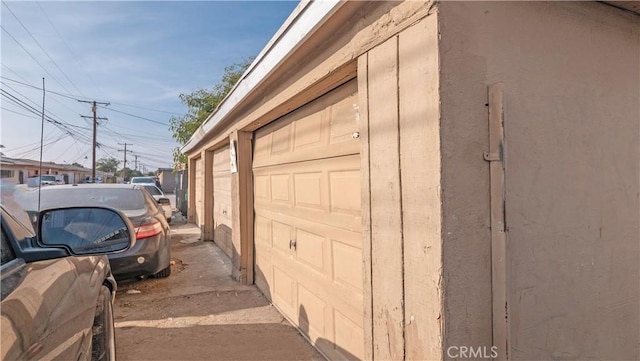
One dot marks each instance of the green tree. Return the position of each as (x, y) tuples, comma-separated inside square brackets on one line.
[(76, 164), (108, 165), (200, 104)]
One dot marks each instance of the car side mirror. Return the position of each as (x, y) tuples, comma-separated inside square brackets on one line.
[(86, 230)]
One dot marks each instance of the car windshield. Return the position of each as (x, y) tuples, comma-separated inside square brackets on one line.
[(153, 190), (120, 198), (142, 180)]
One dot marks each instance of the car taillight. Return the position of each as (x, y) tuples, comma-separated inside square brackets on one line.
[(148, 230)]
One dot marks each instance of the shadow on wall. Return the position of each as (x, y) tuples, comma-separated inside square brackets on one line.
[(321, 343), (222, 236), (303, 322)]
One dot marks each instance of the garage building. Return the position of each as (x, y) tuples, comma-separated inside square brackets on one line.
[(426, 180)]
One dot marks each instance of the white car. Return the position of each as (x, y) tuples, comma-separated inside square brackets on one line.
[(160, 197), (45, 180)]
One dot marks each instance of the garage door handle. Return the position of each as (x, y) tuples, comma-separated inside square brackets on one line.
[(292, 244)]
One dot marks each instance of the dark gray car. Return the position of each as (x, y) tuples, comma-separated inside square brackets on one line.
[(151, 256)]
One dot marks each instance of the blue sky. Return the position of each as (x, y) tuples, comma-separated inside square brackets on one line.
[(139, 56)]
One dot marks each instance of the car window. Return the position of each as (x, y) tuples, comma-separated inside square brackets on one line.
[(6, 250), (142, 180), (119, 198), (153, 190)]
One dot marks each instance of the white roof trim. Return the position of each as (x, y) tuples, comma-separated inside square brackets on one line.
[(301, 24)]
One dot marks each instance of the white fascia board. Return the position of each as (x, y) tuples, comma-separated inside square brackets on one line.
[(302, 23)]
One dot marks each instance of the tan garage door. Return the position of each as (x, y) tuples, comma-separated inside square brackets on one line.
[(199, 218), (222, 200), (308, 226)]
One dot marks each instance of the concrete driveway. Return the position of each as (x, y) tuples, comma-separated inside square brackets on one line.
[(200, 313)]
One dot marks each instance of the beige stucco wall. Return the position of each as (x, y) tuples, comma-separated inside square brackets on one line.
[(571, 74)]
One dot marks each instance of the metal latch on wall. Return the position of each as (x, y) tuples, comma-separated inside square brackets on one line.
[(492, 157), (292, 244)]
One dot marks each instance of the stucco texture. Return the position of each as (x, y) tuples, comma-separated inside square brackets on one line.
[(571, 74)]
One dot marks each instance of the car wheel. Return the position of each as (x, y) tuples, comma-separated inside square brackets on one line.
[(103, 346), (168, 220), (164, 273)]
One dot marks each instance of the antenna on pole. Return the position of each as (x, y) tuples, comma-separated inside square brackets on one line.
[(41, 145)]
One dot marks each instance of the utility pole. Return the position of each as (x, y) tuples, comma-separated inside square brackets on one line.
[(136, 162), (94, 109), (124, 170)]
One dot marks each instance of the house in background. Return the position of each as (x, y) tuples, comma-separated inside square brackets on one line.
[(19, 170), (419, 180), (167, 179)]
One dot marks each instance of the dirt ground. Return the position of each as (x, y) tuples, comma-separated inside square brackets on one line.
[(201, 313)]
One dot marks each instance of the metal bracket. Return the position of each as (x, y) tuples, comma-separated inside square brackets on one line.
[(492, 157)]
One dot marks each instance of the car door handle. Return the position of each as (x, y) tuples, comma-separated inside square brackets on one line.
[(292, 244)]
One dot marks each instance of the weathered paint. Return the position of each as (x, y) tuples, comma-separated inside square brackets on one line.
[(419, 124)]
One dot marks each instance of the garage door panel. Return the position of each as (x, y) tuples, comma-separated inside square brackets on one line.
[(282, 235), (344, 269), (221, 160), (310, 130), (308, 190), (285, 291), (342, 123), (322, 129), (336, 234), (264, 275), (199, 189), (327, 191), (345, 192), (335, 295), (222, 207), (281, 188), (312, 314), (306, 169), (310, 249), (281, 141), (261, 188), (263, 230), (349, 336)]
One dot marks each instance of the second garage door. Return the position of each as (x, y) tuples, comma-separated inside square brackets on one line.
[(222, 221), (308, 226), (199, 190)]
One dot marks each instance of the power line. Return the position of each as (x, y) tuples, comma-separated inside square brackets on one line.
[(150, 109), (74, 56), (34, 59), (73, 97), (62, 125), (41, 48), (38, 88), (24, 96), (136, 116)]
